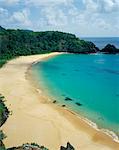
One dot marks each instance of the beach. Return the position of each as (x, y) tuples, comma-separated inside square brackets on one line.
[(35, 119)]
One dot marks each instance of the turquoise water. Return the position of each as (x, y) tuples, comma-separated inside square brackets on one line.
[(91, 80)]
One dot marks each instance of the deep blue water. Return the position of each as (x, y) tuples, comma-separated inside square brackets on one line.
[(103, 41), (91, 80)]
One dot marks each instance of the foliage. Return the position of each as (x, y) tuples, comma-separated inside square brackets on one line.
[(3, 111), (3, 116), (2, 135), (24, 42), (27, 146)]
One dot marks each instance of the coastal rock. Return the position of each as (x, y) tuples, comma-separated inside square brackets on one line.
[(110, 49), (68, 147), (79, 104)]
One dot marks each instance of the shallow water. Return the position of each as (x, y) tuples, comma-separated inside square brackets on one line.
[(91, 80)]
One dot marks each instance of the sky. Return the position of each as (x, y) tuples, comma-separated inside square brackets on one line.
[(85, 18)]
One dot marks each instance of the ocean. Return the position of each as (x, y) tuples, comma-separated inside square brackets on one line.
[(86, 84)]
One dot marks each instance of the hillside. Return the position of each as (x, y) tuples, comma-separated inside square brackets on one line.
[(26, 42)]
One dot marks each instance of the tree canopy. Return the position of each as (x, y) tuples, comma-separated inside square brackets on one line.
[(26, 42)]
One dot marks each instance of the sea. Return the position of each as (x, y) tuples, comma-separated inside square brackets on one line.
[(85, 84)]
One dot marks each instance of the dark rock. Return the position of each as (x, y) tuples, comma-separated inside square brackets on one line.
[(69, 147), (68, 99), (63, 105), (54, 101), (79, 104), (110, 49), (62, 148)]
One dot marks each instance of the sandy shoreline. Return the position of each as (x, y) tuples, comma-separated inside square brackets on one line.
[(33, 119)]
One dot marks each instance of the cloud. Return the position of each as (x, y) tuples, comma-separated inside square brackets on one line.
[(95, 17), (48, 2), (101, 6), (52, 13), (9, 2), (90, 5), (54, 17), (101, 23), (3, 12), (3, 16), (109, 5), (85, 17), (21, 17)]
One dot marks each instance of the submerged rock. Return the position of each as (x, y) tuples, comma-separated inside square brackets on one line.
[(68, 99), (79, 104), (63, 105), (54, 101)]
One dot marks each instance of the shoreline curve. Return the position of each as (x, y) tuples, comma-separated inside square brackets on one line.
[(106, 131), (35, 120)]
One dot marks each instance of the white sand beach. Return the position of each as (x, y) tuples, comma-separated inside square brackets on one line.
[(34, 119)]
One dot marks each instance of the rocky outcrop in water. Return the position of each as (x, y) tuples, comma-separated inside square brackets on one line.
[(68, 99), (79, 104), (110, 49)]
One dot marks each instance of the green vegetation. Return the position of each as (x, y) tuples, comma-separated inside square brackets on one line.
[(15, 43), (3, 117), (34, 146), (27, 146), (2, 136), (4, 112)]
